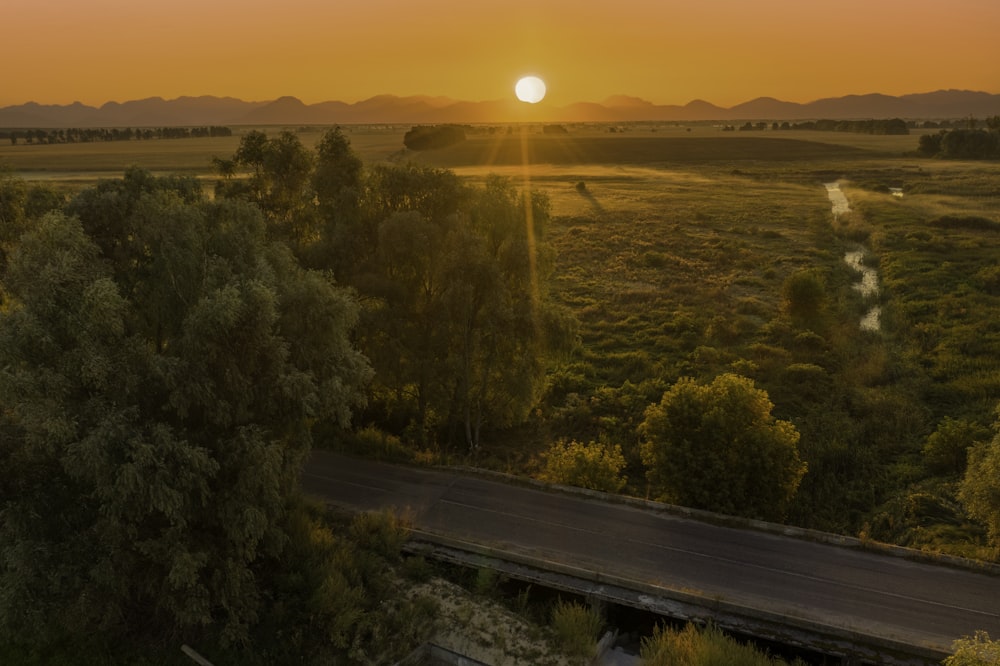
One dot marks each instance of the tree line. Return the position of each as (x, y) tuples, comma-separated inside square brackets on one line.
[(874, 126), (93, 135), (964, 143)]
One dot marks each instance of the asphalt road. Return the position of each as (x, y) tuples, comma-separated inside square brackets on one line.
[(872, 594)]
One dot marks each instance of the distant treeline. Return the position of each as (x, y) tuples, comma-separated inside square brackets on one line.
[(93, 135), (436, 136), (969, 143), (884, 126), (966, 144)]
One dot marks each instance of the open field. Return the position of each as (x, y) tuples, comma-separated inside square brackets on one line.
[(81, 164)]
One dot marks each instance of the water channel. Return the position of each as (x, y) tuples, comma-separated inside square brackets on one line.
[(868, 286)]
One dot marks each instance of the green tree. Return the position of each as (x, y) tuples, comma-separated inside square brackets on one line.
[(158, 391), (459, 329), (277, 175), (979, 490), (338, 181), (42, 199), (717, 447)]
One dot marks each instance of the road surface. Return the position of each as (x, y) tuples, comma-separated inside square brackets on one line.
[(886, 597)]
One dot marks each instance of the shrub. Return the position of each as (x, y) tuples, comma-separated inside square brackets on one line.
[(945, 450), (977, 650), (577, 628), (595, 466), (699, 647), (805, 293), (382, 533)]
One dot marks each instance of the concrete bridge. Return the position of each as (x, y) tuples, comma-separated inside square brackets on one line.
[(824, 592)]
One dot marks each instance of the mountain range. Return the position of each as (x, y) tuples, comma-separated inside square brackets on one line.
[(390, 109)]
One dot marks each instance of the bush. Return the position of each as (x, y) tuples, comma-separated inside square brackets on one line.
[(977, 650), (945, 451), (383, 533), (594, 466), (699, 647), (577, 629), (805, 293)]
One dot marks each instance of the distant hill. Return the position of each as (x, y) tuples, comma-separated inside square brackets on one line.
[(390, 109)]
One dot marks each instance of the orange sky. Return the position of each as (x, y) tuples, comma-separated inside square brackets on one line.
[(665, 51)]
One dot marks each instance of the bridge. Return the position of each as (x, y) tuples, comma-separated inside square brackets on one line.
[(820, 591)]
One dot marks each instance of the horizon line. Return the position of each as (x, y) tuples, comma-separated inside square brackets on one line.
[(512, 100)]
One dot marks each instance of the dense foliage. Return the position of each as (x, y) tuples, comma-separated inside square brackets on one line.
[(717, 447), (162, 363), (965, 144)]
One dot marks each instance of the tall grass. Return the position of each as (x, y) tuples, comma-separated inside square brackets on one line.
[(692, 646), (577, 628)]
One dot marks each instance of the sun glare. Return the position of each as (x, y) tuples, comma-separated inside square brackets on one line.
[(530, 89)]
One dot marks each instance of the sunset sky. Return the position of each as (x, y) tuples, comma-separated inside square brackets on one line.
[(664, 51)]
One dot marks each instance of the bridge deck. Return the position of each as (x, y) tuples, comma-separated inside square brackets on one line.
[(875, 601)]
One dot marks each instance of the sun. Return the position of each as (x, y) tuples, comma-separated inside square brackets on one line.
[(530, 89)]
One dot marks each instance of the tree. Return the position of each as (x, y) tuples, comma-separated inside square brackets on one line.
[(979, 490), (717, 447), (338, 183), (969, 144), (277, 176), (930, 144), (458, 329), (158, 390)]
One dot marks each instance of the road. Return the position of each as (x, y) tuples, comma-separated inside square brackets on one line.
[(863, 592)]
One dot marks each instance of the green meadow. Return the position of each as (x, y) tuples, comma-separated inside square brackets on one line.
[(674, 247)]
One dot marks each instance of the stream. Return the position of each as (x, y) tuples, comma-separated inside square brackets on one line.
[(868, 286)]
